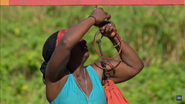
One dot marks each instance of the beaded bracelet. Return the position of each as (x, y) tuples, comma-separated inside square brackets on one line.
[(117, 44)]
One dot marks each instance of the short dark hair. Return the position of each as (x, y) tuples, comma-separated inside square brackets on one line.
[(47, 51)]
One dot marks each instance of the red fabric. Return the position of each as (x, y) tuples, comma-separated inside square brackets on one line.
[(60, 35), (113, 94)]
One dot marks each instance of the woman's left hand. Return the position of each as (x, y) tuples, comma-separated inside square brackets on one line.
[(107, 29)]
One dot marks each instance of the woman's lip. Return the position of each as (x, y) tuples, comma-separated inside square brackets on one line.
[(85, 47)]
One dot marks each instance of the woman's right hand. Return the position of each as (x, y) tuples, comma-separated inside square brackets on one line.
[(100, 16)]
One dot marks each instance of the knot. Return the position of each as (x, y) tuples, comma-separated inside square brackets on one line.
[(98, 41), (43, 67), (109, 85)]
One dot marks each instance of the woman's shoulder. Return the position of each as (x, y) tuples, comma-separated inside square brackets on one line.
[(98, 69)]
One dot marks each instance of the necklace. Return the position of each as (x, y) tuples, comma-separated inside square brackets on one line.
[(85, 83)]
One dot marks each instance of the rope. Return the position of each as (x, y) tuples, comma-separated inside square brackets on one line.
[(103, 63), (99, 42)]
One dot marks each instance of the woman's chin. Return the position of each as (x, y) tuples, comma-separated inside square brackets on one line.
[(86, 54)]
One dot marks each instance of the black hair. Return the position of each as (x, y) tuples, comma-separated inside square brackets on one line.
[(47, 51)]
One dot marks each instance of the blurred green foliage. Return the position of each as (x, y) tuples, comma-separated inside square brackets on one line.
[(156, 33)]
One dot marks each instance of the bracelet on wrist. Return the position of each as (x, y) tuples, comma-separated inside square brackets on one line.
[(118, 43), (94, 19)]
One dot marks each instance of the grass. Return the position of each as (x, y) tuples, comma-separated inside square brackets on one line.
[(155, 32)]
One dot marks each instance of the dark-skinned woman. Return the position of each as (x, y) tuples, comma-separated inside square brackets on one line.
[(67, 80)]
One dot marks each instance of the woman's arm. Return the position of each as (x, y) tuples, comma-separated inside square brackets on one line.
[(60, 57), (130, 64)]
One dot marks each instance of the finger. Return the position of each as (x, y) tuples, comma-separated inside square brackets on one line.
[(111, 29), (114, 29), (108, 16), (102, 29), (107, 28), (113, 34)]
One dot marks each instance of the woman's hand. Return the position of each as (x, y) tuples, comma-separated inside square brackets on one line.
[(100, 16), (107, 29)]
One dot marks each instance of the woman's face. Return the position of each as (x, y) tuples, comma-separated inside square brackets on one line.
[(80, 51)]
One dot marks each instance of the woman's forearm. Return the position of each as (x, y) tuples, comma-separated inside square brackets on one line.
[(75, 33)]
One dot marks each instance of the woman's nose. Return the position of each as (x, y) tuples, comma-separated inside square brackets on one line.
[(83, 42)]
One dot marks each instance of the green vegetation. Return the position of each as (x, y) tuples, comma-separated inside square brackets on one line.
[(157, 33)]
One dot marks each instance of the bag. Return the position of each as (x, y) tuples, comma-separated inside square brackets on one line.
[(113, 94)]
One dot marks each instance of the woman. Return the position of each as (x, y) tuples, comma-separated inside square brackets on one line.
[(67, 80)]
